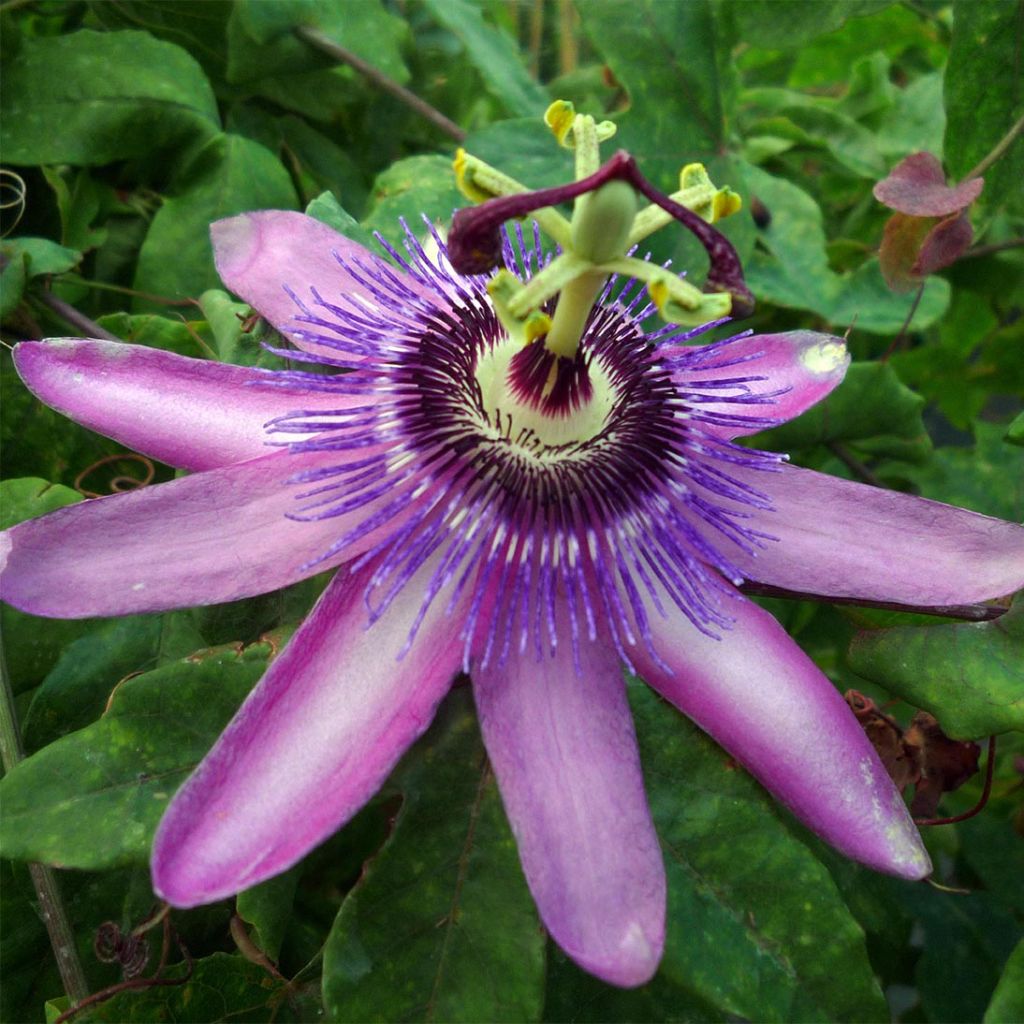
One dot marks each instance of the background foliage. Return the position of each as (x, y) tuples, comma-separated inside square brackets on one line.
[(131, 125)]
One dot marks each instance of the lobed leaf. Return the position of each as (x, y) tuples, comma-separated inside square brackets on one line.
[(113, 95), (441, 926)]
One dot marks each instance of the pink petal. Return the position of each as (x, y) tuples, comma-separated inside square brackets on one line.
[(917, 185), (843, 539), (804, 365), (758, 695), (189, 413), (260, 255), (566, 759), (216, 536), (312, 743)]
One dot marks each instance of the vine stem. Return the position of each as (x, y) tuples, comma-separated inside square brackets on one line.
[(320, 42), (44, 879), (999, 149)]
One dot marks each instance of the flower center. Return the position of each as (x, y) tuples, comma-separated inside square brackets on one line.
[(534, 398)]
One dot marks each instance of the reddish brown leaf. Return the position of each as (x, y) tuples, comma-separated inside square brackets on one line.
[(944, 244), (917, 186), (945, 764), (886, 736), (901, 244)]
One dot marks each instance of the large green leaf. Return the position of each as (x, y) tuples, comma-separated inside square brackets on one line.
[(220, 988), (970, 675), (871, 410), (494, 54), (93, 799), (75, 691), (984, 96), (441, 926), (787, 23), (91, 97), (409, 189), (196, 27), (1008, 999), (261, 43), (232, 175), (757, 928), (666, 54)]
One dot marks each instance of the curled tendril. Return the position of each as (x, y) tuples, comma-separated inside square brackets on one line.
[(13, 196), (119, 483)]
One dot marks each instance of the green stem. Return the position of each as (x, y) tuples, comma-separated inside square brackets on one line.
[(44, 879), (383, 82), (1000, 148), (575, 301)]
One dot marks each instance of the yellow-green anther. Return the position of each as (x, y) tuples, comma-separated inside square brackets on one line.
[(685, 307), (479, 181), (725, 204), (559, 118), (602, 222)]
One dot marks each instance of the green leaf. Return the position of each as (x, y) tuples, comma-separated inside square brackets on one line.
[(917, 122), (965, 939), (220, 988), (326, 209), (41, 255), (573, 995), (1008, 999), (324, 163), (197, 27), (757, 928), (441, 926), (181, 336), (664, 52), (232, 175), (525, 149), (794, 270), (261, 44), (268, 908), (984, 96), (93, 97), (75, 691), (871, 410), (789, 23), (93, 799), (494, 55), (969, 675), (13, 277), (1015, 432), (988, 478), (410, 188)]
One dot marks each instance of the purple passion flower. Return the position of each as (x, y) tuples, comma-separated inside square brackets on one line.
[(537, 522)]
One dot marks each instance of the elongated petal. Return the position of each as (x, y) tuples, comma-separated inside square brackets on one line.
[(843, 539), (313, 742), (261, 256), (803, 365), (765, 701), (565, 755), (216, 536), (189, 413)]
